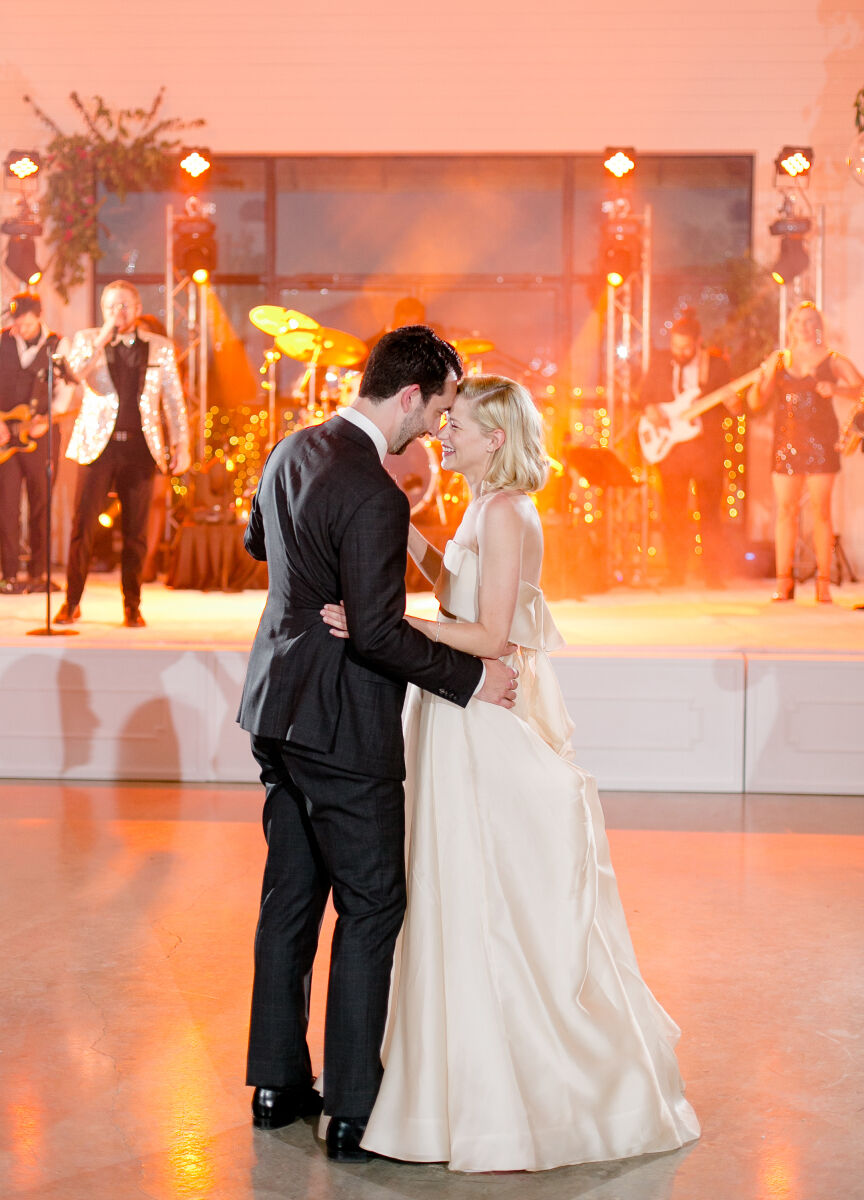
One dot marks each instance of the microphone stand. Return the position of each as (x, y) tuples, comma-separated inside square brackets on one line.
[(48, 630)]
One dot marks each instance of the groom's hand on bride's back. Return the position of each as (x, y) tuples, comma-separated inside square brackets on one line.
[(499, 686)]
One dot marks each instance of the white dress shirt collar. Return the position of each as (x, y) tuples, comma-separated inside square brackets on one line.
[(368, 427)]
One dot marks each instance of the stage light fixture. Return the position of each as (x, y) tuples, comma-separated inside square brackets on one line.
[(791, 227), (110, 514), (621, 250), (792, 166), (619, 264), (23, 164), (195, 163), (195, 247), (22, 231), (793, 260), (21, 260), (619, 160)]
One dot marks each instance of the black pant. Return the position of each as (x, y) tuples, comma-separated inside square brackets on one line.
[(699, 461), (29, 469), (325, 829), (128, 468)]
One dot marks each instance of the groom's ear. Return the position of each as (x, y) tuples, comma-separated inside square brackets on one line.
[(409, 396)]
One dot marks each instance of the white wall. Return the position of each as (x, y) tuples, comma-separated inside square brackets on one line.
[(337, 76)]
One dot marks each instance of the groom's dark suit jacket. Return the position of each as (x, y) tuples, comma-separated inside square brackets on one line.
[(332, 525)]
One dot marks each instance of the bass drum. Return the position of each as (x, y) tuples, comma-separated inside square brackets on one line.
[(416, 472)]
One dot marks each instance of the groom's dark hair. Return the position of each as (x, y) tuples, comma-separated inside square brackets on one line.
[(412, 354)]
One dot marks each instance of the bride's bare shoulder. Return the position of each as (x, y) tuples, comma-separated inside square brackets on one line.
[(507, 506)]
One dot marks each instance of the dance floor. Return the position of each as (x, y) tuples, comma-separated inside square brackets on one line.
[(127, 936), (682, 690)]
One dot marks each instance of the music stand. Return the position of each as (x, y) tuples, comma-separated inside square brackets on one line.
[(47, 630), (602, 468)]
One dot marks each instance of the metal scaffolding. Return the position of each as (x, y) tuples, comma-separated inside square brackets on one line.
[(628, 345), (186, 313)]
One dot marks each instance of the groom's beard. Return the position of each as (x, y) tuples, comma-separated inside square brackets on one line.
[(412, 427)]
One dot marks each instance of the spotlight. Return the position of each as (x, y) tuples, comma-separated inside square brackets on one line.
[(793, 260), (110, 514), (622, 249), (791, 227), (619, 160), (22, 231), (619, 264), (195, 247), (792, 166), (21, 259), (22, 164), (195, 163)]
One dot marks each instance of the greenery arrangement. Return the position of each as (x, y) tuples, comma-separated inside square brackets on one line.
[(120, 151)]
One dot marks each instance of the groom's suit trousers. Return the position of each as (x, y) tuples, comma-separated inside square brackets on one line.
[(325, 828)]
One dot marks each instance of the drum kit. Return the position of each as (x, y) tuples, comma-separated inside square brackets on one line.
[(300, 337)]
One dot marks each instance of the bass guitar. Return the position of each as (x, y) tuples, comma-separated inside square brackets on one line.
[(683, 414)]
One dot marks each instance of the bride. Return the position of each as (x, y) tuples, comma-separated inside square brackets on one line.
[(521, 1034)]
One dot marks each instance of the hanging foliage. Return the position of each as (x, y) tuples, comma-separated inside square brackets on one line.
[(118, 151)]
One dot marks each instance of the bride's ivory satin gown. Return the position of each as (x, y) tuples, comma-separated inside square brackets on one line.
[(521, 1034)]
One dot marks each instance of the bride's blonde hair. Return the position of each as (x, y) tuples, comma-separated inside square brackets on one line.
[(520, 463)]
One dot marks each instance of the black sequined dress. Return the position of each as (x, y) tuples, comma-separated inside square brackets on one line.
[(805, 424)]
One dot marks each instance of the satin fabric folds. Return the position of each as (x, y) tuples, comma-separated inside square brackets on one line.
[(521, 1035)]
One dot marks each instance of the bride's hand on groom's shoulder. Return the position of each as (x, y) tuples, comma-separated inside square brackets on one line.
[(334, 616)]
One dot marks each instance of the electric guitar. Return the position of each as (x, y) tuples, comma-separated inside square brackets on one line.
[(853, 431), (22, 439), (683, 415)]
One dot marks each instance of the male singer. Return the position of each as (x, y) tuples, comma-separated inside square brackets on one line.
[(132, 401)]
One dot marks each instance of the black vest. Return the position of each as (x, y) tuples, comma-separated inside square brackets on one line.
[(24, 385)]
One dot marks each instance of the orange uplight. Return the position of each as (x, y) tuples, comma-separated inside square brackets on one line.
[(195, 164), (22, 165), (201, 275), (620, 162), (615, 278)]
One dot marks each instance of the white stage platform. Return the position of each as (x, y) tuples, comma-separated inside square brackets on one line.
[(669, 691)]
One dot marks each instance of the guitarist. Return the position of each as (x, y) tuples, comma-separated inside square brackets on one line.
[(24, 349), (688, 366)]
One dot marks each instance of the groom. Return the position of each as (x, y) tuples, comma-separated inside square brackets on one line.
[(324, 715)]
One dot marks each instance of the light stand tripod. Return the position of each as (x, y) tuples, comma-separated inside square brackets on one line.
[(48, 630)]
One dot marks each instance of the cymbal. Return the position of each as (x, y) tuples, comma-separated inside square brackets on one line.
[(273, 320), (331, 347), (470, 347)]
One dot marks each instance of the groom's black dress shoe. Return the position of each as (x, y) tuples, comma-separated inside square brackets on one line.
[(274, 1107), (343, 1140)]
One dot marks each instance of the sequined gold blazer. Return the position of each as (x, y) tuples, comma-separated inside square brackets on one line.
[(160, 399)]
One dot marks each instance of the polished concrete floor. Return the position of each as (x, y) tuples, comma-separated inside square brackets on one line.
[(128, 915)]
